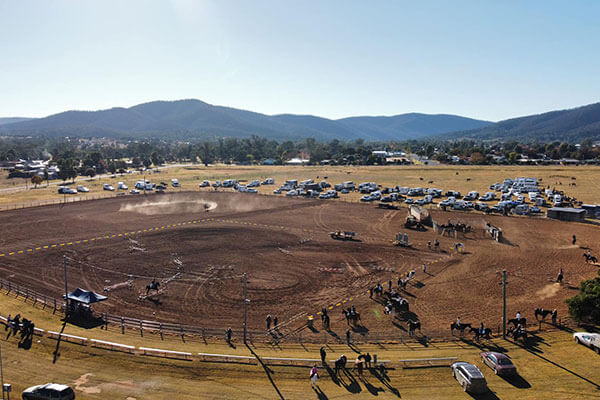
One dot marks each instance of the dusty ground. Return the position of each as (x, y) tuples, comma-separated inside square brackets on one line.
[(282, 244)]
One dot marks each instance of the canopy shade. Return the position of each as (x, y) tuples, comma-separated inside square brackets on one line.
[(85, 296)]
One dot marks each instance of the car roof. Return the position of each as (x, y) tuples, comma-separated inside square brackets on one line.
[(55, 386), (471, 369)]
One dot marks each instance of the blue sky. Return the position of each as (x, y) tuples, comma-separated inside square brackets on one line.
[(483, 59)]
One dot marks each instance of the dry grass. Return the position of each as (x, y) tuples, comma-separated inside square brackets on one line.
[(553, 368), (468, 178)]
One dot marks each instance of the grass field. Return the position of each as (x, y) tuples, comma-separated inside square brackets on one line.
[(553, 368), (461, 178)]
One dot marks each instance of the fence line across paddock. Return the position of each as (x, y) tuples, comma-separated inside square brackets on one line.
[(301, 335)]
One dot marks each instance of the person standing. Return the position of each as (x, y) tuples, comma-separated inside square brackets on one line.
[(269, 322), (359, 366), (228, 333), (368, 360), (323, 355), (425, 268), (348, 337), (574, 239), (314, 376), (560, 277), (275, 322)]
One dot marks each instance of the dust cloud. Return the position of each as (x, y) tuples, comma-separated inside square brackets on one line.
[(170, 207)]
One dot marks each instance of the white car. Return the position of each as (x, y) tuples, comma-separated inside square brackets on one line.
[(49, 391), (82, 189), (591, 340), (122, 186), (134, 191), (109, 187), (205, 184)]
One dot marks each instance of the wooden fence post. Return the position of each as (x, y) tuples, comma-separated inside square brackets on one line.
[(122, 326), (54, 311), (141, 329), (161, 331)]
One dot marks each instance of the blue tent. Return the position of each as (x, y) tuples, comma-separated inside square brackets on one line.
[(85, 296)]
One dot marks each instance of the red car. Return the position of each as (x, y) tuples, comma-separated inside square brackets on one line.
[(500, 363)]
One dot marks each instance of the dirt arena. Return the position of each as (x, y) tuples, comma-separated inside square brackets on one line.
[(209, 240)]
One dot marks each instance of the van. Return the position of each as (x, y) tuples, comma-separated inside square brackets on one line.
[(349, 185), (470, 377)]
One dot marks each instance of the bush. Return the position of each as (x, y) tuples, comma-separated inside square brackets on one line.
[(585, 306)]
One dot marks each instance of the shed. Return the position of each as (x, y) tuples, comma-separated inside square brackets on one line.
[(567, 214)]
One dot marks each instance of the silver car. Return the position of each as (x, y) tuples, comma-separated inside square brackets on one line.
[(470, 377)]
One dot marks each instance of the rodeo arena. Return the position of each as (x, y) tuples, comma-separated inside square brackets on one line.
[(300, 265)]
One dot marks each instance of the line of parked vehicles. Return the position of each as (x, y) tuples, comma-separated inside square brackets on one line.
[(140, 186)]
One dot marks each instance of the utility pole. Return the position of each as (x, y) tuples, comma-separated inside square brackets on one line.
[(66, 289), (245, 304), (1, 373), (503, 304)]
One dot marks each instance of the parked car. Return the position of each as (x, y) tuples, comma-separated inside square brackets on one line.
[(250, 190), (134, 191), (82, 189), (470, 377), (66, 190), (277, 191), (499, 362), (49, 391), (591, 340), (204, 183), (409, 201), (161, 187), (268, 181), (108, 187), (175, 182), (366, 197), (535, 209), (121, 186)]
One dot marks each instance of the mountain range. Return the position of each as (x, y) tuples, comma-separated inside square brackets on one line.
[(572, 125), (195, 119)]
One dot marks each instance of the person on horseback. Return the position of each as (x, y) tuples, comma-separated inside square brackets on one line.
[(458, 322), (481, 329), (560, 276), (518, 316)]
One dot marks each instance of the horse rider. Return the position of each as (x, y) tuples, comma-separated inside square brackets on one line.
[(481, 329), (518, 316), (353, 310), (458, 322), (152, 285)]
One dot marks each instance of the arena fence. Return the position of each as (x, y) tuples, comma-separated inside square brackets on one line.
[(128, 325)]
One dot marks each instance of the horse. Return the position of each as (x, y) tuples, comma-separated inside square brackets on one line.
[(154, 285), (340, 364), (543, 313), (486, 333), (351, 317), (515, 321), (460, 327), (518, 333), (412, 326)]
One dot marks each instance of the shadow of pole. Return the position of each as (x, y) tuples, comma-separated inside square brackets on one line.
[(267, 371), (56, 354)]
